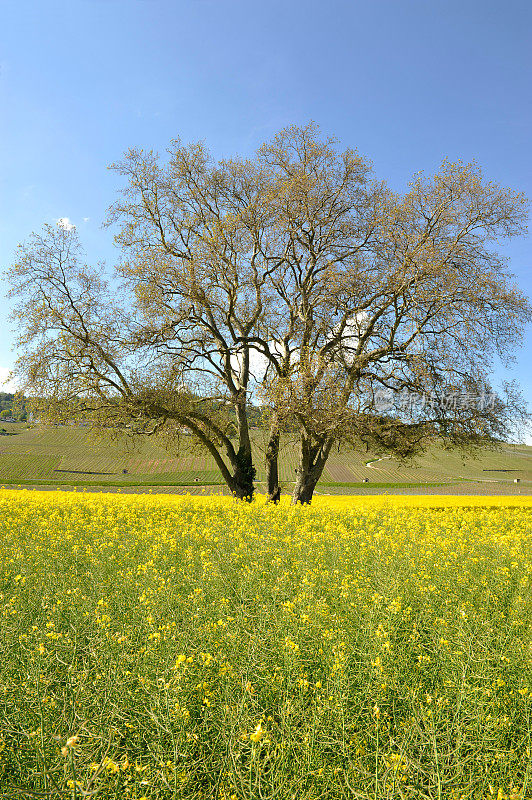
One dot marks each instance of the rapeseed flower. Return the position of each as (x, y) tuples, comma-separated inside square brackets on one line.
[(257, 734), (362, 633)]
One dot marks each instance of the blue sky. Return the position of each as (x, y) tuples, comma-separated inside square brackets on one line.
[(406, 83)]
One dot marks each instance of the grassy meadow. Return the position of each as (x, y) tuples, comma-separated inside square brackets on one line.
[(180, 647)]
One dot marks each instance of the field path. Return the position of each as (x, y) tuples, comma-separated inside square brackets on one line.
[(375, 461)]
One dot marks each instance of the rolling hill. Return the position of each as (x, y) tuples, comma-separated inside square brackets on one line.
[(70, 455)]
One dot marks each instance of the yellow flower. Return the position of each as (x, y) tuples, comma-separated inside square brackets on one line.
[(111, 765), (258, 733)]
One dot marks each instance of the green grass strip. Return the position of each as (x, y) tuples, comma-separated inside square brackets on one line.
[(122, 484)]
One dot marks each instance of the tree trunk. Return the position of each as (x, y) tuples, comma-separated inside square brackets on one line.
[(311, 463), (243, 477), (304, 488), (244, 472), (272, 463)]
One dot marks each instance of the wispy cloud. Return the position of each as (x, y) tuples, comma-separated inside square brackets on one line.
[(5, 385), (66, 223)]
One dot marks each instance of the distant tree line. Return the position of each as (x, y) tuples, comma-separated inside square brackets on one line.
[(13, 407)]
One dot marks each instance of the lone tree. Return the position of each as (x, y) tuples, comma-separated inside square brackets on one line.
[(220, 248), (293, 276)]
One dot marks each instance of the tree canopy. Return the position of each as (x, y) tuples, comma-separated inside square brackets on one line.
[(293, 279)]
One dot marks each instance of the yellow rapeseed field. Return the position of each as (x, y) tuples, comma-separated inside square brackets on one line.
[(178, 647)]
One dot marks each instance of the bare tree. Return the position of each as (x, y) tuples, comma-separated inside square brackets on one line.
[(324, 214), (207, 249), (388, 293), (293, 277), (92, 353)]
